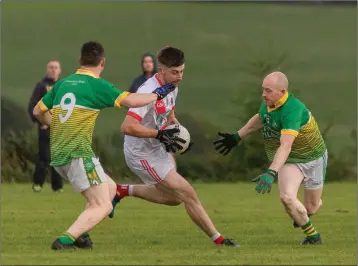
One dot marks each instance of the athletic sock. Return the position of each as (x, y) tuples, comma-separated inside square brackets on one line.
[(67, 238), (124, 190), (218, 238), (309, 230)]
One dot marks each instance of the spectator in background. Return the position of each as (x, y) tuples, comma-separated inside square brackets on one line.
[(149, 68), (43, 160)]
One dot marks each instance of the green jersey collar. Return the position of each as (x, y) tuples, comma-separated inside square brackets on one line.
[(279, 102)]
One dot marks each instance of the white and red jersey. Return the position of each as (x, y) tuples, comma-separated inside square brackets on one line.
[(153, 115)]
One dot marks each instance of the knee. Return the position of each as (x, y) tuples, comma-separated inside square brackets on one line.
[(313, 207), (188, 195), (287, 199), (107, 208), (104, 207)]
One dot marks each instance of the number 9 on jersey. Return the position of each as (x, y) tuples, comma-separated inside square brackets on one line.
[(68, 102)]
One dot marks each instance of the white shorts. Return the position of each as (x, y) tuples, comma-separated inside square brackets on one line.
[(314, 172), (83, 173), (151, 170)]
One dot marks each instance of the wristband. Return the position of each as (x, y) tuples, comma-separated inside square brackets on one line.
[(237, 137), (273, 173)]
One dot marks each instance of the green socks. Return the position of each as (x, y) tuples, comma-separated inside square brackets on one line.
[(309, 230), (67, 239), (85, 234)]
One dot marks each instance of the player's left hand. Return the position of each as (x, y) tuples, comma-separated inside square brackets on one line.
[(227, 142), (265, 181), (164, 90), (170, 140), (189, 147)]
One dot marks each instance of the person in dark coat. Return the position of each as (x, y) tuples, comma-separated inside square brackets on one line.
[(45, 84), (149, 68)]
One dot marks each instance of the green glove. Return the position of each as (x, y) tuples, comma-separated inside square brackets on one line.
[(264, 181)]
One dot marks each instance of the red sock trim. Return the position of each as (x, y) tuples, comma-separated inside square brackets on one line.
[(122, 190), (219, 240)]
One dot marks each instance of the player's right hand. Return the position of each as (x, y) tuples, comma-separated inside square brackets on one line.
[(170, 140), (164, 90), (227, 143)]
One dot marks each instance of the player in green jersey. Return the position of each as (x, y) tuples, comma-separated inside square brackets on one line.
[(71, 108), (294, 147)]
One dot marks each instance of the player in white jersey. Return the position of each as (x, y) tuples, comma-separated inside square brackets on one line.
[(150, 116), (148, 144)]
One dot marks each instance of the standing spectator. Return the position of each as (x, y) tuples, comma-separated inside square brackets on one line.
[(43, 160), (149, 68)]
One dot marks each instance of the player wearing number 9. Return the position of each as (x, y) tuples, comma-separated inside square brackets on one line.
[(75, 102)]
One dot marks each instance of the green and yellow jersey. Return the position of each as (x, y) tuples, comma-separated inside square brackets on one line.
[(76, 102), (291, 116)]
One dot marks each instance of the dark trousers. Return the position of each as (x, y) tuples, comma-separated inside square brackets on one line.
[(43, 162)]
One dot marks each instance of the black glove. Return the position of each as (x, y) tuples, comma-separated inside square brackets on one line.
[(170, 139), (227, 143), (189, 147), (164, 90)]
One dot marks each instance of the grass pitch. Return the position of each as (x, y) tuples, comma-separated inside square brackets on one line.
[(145, 233)]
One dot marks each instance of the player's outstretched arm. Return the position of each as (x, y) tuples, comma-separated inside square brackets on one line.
[(253, 125), (44, 116), (134, 100)]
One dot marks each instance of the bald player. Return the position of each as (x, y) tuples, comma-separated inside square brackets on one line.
[(294, 147)]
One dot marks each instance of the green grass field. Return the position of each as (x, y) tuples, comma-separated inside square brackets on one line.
[(219, 39), (144, 233)]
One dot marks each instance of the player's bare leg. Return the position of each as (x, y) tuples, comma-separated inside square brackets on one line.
[(154, 194), (112, 187), (97, 208), (289, 180), (312, 200), (180, 188), (174, 190), (85, 241), (147, 192)]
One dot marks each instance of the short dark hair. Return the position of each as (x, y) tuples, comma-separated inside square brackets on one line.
[(171, 57), (92, 53)]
